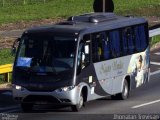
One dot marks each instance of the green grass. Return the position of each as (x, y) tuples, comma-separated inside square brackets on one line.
[(138, 7), (155, 40), (54, 9), (63, 8), (5, 56), (2, 79)]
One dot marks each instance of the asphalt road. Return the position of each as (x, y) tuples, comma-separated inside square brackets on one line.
[(142, 101)]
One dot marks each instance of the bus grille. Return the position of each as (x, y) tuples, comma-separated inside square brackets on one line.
[(39, 98)]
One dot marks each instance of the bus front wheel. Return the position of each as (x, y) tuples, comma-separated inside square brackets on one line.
[(76, 108)]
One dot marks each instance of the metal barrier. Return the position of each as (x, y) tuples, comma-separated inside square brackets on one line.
[(6, 70), (154, 32)]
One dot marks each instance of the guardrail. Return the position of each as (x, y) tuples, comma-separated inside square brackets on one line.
[(154, 32), (6, 70)]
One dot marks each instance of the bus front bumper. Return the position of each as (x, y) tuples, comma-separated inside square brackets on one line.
[(62, 96)]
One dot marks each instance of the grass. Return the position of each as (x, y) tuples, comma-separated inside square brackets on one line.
[(155, 40), (53, 9), (5, 56), (138, 7), (63, 8), (2, 81)]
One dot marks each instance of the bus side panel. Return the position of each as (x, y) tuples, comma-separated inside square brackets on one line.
[(97, 89), (139, 68), (114, 71)]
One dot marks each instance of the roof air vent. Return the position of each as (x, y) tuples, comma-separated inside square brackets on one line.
[(101, 18), (93, 17)]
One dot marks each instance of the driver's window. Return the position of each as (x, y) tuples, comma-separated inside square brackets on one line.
[(84, 53)]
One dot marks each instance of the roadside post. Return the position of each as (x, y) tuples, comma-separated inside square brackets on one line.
[(104, 5)]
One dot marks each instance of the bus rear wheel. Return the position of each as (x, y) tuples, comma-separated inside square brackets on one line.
[(76, 108), (124, 94), (26, 107)]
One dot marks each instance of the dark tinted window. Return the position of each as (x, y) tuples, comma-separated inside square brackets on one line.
[(54, 52), (100, 47), (95, 55), (106, 47), (128, 41), (114, 38), (140, 38), (121, 42), (124, 43)]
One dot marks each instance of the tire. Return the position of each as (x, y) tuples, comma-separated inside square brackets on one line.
[(76, 108), (124, 94), (27, 107)]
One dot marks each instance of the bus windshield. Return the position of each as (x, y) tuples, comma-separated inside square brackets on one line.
[(46, 54)]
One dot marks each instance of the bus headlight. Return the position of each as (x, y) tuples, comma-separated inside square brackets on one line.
[(64, 89), (17, 87)]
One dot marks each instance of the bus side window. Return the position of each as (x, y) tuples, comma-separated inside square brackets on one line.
[(114, 38), (141, 42), (106, 46), (124, 43), (130, 39), (96, 48)]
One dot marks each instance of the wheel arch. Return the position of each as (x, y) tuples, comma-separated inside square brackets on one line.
[(128, 79), (85, 93)]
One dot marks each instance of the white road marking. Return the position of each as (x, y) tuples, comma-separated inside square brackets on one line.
[(155, 72), (149, 103), (155, 63), (145, 104), (158, 53)]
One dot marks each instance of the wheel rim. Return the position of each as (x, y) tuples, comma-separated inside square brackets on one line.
[(125, 93), (80, 102)]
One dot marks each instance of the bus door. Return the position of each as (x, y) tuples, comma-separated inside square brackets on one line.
[(85, 68)]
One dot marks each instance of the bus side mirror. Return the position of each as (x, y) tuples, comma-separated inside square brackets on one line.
[(14, 46), (85, 55)]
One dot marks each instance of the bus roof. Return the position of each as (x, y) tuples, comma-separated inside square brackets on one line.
[(88, 23)]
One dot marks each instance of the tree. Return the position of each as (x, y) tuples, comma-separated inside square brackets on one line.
[(98, 6)]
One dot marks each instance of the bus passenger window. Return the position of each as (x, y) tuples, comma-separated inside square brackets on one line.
[(114, 38), (100, 47), (124, 43), (130, 39), (141, 41), (99, 38), (97, 48), (106, 46)]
